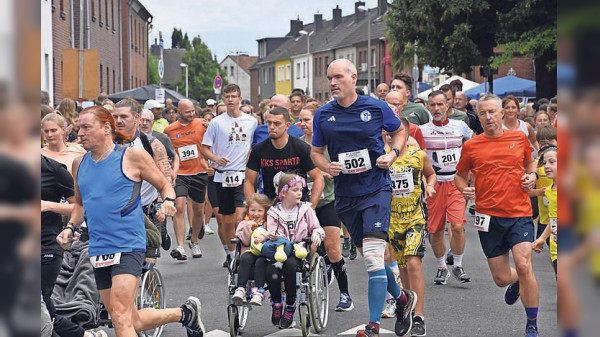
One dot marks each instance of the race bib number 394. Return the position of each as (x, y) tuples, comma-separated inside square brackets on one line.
[(482, 222), (188, 152), (232, 179), (355, 161), (107, 260)]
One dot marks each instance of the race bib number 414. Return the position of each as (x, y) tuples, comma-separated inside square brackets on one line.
[(355, 161), (232, 179)]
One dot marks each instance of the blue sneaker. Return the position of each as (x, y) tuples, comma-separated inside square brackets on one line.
[(531, 331), (512, 293), (345, 303)]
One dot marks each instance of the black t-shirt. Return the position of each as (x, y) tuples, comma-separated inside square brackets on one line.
[(57, 183), (294, 157)]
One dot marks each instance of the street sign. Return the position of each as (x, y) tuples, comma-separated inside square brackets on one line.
[(217, 91), (159, 95), (161, 68), (218, 83)]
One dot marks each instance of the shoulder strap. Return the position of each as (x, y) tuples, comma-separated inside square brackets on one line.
[(146, 144)]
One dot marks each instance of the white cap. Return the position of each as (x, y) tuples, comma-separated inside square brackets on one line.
[(211, 101), (151, 104)]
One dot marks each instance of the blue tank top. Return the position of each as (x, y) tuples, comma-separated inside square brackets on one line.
[(111, 205)]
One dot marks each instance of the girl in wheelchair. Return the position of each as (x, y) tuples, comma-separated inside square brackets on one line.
[(288, 222), (257, 206)]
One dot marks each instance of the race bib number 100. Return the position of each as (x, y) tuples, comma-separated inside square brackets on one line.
[(232, 178), (188, 152), (107, 260), (482, 222), (355, 161)]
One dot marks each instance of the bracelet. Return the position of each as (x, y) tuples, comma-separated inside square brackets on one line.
[(169, 199), (69, 227)]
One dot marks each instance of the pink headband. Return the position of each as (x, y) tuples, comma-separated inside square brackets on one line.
[(296, 180)]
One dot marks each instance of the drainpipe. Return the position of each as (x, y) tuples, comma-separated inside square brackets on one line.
[(87, 23), (120, 47), (80, 87), (129, 43), (72, 24)]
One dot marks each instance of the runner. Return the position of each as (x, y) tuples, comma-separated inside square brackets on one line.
[(227, 144), (444, 139), (350, 126), (186, 135), (107, 184), (504, 172)]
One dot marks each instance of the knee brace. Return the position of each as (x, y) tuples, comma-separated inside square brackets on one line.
[(373, 252)]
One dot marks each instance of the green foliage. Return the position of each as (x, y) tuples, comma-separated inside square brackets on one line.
[(177, 38), (202, 71), (153, 77)]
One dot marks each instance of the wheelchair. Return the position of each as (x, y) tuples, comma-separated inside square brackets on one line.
[(311, 289)]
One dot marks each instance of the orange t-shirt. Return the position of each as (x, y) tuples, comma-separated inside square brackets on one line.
[(498, 165), (187, 140)]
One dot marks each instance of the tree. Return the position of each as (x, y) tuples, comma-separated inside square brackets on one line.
[(176, 38), (202, 69), (460, 34), (186, 42), (153, 77)]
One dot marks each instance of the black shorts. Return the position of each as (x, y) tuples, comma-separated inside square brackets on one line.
[(212, 192), (230, 198), (327, 216), (504, 233), (192, 186), (131, 263)]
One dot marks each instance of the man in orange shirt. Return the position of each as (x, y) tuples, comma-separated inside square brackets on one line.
[(504, 171), (192, 179)]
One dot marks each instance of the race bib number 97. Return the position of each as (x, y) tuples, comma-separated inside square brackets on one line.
[(188, 152), (482, 222), (355, 161), (107, 260)]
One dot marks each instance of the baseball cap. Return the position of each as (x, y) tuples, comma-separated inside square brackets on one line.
[(211, 101), (151, 104), (246, 101)]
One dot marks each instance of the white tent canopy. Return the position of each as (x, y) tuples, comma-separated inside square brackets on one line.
[(466, 85)]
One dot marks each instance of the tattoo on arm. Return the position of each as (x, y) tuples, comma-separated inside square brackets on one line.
[(161, 159)]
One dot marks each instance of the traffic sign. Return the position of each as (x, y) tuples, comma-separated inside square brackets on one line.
[(159, 95), (161, 68), (218, 83)]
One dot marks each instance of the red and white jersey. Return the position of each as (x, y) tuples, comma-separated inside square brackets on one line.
[(444, 142)]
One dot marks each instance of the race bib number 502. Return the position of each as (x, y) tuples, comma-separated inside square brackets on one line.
[(355, 161)]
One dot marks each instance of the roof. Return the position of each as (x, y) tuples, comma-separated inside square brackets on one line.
[(172, 59), (245, 62)]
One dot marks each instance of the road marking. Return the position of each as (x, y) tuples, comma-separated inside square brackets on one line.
[(293, 332), (361, 327), (217, 333)]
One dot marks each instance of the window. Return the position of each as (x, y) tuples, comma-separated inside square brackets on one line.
[(134, 36), (101, 82), (288, 72), (373, 58), (47, 71), (107, 80), (112, 15), (280, 73), (100, 12), (114, 87), (231, 71), (297, 70), (93, 11), (304, 69), (106, 12), (326, 64), (62, 5), (272, 73), (266, 76)]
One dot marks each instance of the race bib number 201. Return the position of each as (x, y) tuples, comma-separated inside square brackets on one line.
[(355, 161), (107, 260)]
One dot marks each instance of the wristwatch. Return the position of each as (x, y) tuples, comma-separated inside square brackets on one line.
[(170, 199), (397, 152)]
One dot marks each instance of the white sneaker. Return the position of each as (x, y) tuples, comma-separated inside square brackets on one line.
[(96, 333), (389, 310), (195, 247), (239, 296), (179, 253), (208, 230)]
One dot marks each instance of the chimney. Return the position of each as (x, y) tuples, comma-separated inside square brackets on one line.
[(358, 15), (318, 22), (381, 7), (295, 27), (337, 16)]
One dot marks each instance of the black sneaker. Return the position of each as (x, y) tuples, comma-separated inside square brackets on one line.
[(418, 327), (276, 315), (404, 317), (512, 293), (189, 234), (352, 251), (441, 276), (202, 231), (287, 320), (227, 261), (450, 258), (193, 323), (369, 331), (346, 249), (459, 273)]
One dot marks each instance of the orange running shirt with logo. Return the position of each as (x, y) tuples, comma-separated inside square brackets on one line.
[(187, 140), (498, 165)]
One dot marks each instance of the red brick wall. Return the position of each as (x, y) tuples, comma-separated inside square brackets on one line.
[(61, 38), (137, 48), (523, 66)]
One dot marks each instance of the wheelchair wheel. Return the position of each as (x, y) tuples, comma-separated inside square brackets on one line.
[(238, 316), (151, 295), (318, 293), (304, 323)]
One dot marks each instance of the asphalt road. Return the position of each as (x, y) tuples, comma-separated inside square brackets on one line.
[(470, 309)]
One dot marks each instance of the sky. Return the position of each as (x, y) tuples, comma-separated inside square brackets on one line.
[(227, 27)]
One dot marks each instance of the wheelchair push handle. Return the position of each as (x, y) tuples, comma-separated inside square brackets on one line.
[(236, 241)]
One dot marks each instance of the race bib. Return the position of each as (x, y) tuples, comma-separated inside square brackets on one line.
[(545, 201), (482, 222), (108, 260), (310, 186), (232, 178), (448, 157), (553, 225), (188, 152), (402, 183), (355, 161)]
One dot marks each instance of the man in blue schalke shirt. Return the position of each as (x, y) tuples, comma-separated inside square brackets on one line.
[(350, 127)]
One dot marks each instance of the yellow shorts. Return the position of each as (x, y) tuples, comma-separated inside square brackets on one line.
[(407, 240), (553, 250)]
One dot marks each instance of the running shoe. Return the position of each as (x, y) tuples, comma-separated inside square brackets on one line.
[(191, 318), (389, 309), (512, 293), (239, 296), (441, 277), (472, 209), (195, 247), (330, 276), (208, 230), (202, 232), (179, 253), (276, 315), (164, 236), (345, 303), (418, 327), (404, 317), (287, 320), (189, 234), (97, 333), (227, 261), (352, 251), (369, 331), (450, 258), (531, 331), (345, 249), (258, 296), (459, 273)]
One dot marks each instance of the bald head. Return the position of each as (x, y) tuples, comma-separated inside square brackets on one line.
[(345, 64), (184, 104), (280, 101), (382, 90), (396, 99), (187, 111)]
